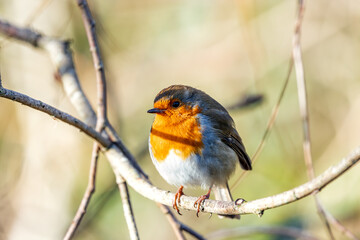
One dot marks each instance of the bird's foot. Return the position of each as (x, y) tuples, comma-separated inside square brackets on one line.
[(178, 194), (200, 201)]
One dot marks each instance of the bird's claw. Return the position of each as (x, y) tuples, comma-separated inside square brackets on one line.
[(239, 201), (178, 194), (200, 201)]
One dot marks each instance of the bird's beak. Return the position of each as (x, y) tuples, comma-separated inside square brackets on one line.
[(156, 110)]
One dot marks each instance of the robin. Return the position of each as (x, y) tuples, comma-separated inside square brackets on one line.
[(193, 142)]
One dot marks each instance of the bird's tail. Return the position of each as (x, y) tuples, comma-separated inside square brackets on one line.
[(222, 193)]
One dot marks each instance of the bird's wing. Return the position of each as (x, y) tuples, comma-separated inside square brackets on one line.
[(225, 125), (234, 141)]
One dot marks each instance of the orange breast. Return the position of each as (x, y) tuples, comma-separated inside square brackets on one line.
[(180, 132)]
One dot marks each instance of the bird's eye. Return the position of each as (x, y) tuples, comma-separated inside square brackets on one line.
[(175, 104)]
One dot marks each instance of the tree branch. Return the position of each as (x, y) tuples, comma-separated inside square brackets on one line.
[(340, 227), (304, 109), (89, 24), (87, 195), (178, 226), (122, 166), (128, 212), (54, 112), (269, 126)]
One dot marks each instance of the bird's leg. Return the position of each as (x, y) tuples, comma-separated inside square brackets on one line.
[(178, 194), (200, 200)]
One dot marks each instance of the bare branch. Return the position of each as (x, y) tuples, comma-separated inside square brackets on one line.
[(89, 24), (304, 109), (302, 95), (269, 126), (177, 226), (173, 221), (340, 227), (31, 18), (87, 195), (128, 212), (21, 34), (46, 108)]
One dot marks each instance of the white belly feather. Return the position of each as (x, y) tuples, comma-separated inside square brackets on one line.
[(213, 168)]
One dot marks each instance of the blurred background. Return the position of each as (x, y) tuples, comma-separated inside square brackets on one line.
[(228, 49)]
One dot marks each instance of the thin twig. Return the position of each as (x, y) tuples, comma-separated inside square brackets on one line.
[(128, 212), (35, 14), (102, 120), (269, 126), (340, 227), (89, 24), (304, 109), (178, 226), (173, 221), (87, 195), (56, 113), (273, 115), (302, 94), (291, 232)]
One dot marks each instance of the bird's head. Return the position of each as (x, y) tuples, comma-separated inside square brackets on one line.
[(175, 104)]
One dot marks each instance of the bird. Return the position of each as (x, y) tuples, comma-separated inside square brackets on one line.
[(193, 142)]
